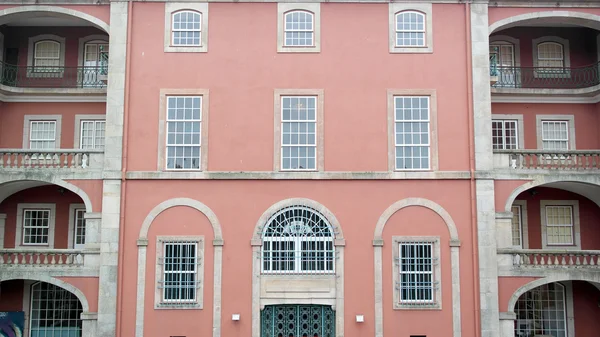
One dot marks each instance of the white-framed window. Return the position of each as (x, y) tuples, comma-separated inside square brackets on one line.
[(517, 226), (92, 134), (542, 309), (180, 272), (79, 237), (42, 134), (298, 240), (505, 134), (184, 132), (560, 224), (298, 27), (412, 133), (186, 28), (46, 56), (555, 135), (298, 133), (416, 272), (54, 312), (36, 227), (410, 29), (550, 55)]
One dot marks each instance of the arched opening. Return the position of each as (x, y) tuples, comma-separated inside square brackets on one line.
[(542, 311)]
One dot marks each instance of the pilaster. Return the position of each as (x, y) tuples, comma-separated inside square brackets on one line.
[(2, 226), (504, 229)]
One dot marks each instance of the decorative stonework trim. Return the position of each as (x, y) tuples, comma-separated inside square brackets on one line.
[(511, 316), (573, 17), (142, 242)]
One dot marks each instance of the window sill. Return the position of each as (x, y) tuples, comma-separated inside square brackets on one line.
[(186, 49), (186, 306), (287, 49), (411, 50), (433, 306)]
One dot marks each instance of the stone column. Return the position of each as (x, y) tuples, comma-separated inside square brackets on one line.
[(92, 240), (256, 267), (504, 229), (507, 324), (2, 226), (89, 322), (378, 261)]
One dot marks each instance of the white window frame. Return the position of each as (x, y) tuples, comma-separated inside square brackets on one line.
[(163, 132), (436, 302), (567, 300), (425, 9), (32, 42), (19, 235), (566, 56), (524, 227), (570, 119), (520, 127), (32, 140), (307, 145), (417, 31), (174, 30), (79, 119), (576, 228), (285, 8), (159, 302), (172, 8), (73, 210), (35, 118)]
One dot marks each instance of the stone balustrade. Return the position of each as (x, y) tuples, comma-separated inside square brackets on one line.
[(39, 257), (51, 159), (545, 258), (576, 160)]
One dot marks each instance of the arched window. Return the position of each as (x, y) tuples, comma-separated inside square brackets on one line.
[(186, 28), (46, 56), (410, 29), (299, 29), (54, 312), (550, 55), (541, 312), (298, 240)]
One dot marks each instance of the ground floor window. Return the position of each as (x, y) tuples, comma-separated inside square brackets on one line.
[(542, 312), (297, 321), (55, 312)]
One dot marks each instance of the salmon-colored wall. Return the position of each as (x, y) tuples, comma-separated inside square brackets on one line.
[(42, 194), (498, 13), (582, 43), (93, 189), (587, 311), (586, 121), (354, 68), (507, 287), (502, 190), (589, 216), (88, 286), (12, 120), (101, 12), (238, 206)]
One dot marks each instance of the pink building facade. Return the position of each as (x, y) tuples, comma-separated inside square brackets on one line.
[(279, 169)]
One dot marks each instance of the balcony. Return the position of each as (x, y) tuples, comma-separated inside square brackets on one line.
[(575, 160), (545, 77), (61, 160), (544, 258), (43, 258), (90, 77)]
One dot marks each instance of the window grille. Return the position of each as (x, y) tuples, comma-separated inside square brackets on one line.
[(299, 133), (79, 227), (297, 320), (299, 29), (504, 134), (555, 135), (55, 312), (411, 128), (298, 240), (416, 267), (92, 134), (186, 29), (184, 119), (46, 56), (517, 226), (410, 29), (36, 226), (179, 263), (559, 225), (42, 135), (542, 312)]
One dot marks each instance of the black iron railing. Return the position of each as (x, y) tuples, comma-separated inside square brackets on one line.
[(53, 77), (546, 77)]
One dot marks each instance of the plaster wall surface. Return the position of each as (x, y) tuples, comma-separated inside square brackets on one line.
[(101, 12)]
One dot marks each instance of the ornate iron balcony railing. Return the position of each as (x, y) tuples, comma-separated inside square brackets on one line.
[(54, 77), (545, 77)]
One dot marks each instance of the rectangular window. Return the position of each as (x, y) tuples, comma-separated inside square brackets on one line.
[(36, 226), (504, 134), (79, 228), (92, 134), (416, 272), (179, 278), (559, 225), (517, 227), (42, 135), (555, 135), (184, 118), (299, 133), (412, 132)]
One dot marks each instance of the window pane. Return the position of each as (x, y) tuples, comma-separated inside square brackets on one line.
[(298, 133), (298, 31), (186, 29), (179, 272), (412, 132), (410, 29), (184, 119), (416, 272)]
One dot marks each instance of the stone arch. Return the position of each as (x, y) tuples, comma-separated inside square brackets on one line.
[(544, 180), (217, 259), (577, 18), (398, 205), (163, 206), (339, 234), (5, 14), (16, 275), (10, 185)]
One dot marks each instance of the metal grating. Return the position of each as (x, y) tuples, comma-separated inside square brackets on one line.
[(55, 312), (297, 321)]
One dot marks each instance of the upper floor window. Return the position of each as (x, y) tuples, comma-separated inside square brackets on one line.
[(505, 134), (298, 27), (298, 240), (186, 28), (184, 119), (35, 225), (555, 135), (560, 224), (43, 135), (298, 133), (551, 57), (411, 28), (412, 132), (46, 56), (92, 134)]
